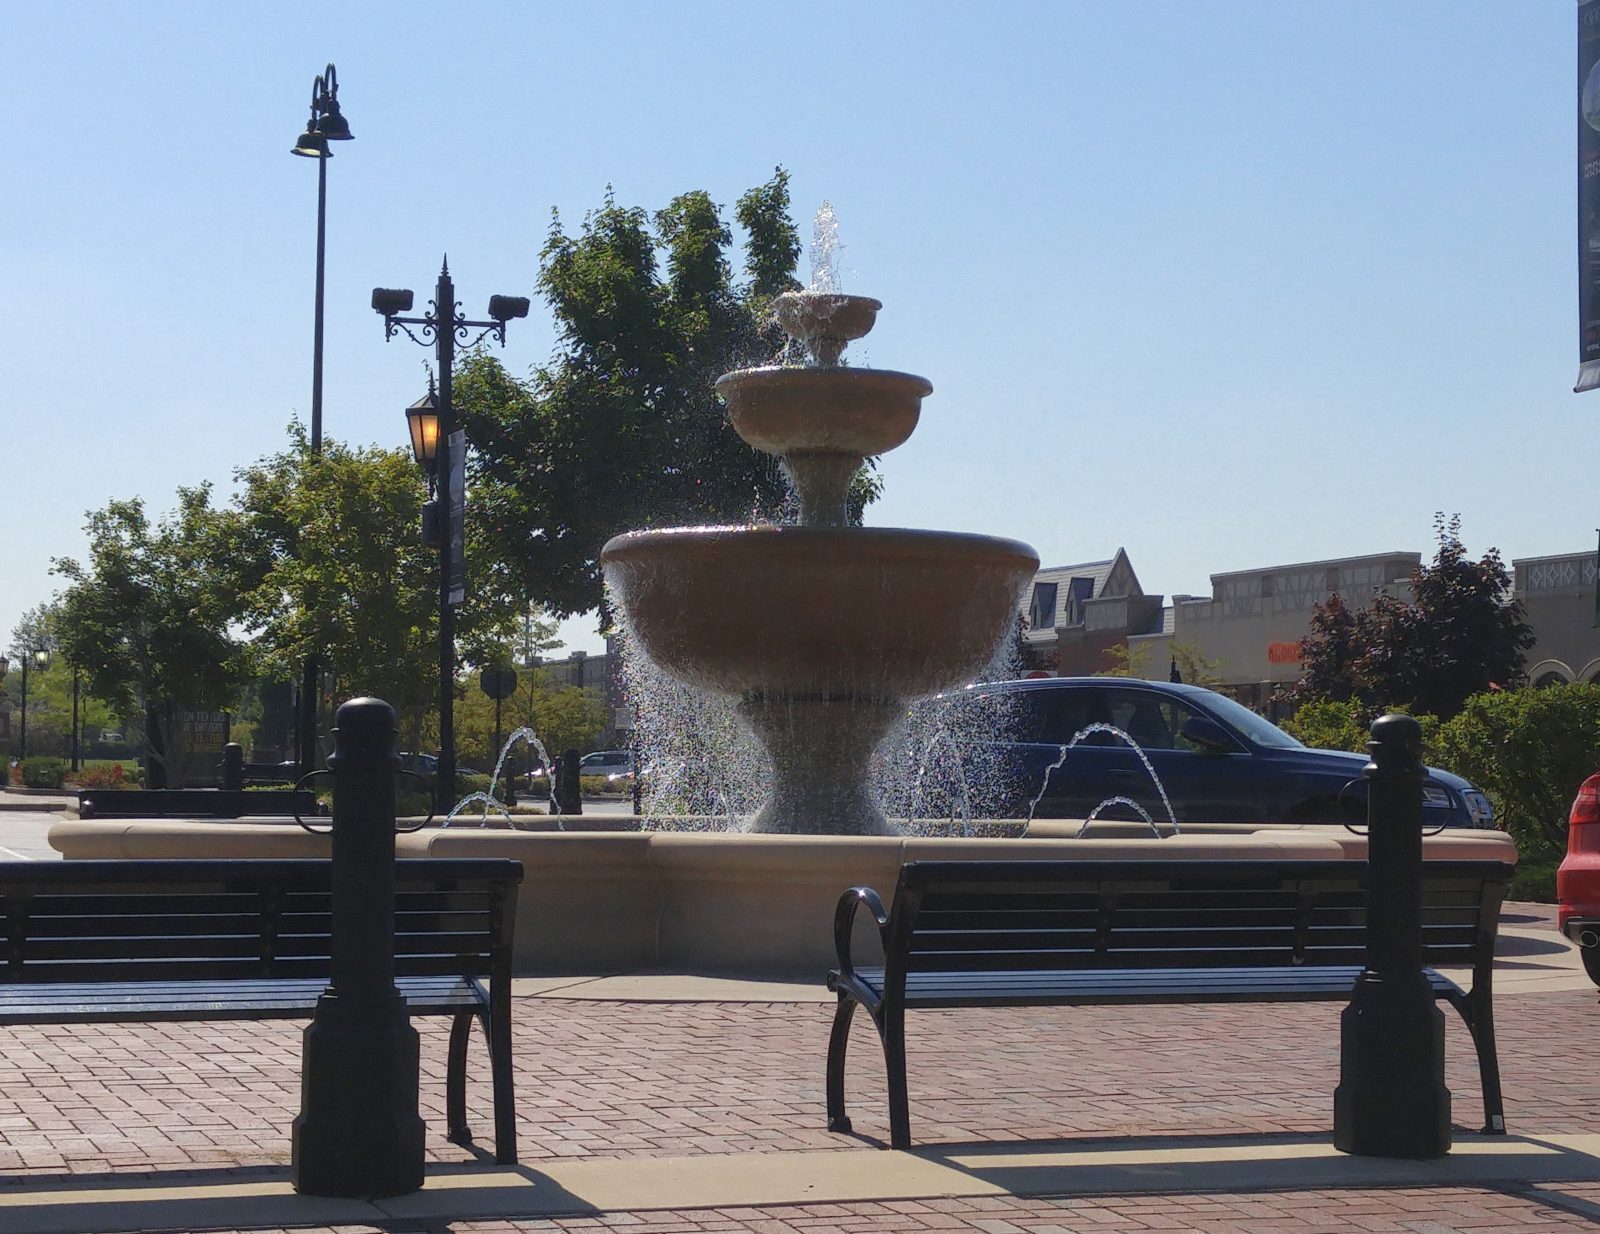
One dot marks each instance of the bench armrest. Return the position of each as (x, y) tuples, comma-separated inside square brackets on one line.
[(844, 918)]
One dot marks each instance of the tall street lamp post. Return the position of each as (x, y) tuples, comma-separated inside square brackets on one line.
[(327, 124), (441, 327), (39, 657)]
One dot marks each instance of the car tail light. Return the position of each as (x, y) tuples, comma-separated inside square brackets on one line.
[(1583, 823)]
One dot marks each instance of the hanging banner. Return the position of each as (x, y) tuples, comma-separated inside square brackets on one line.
[(1588, 196), (458, 516)]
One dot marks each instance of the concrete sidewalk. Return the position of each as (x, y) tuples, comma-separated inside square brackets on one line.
[(674, 1104)]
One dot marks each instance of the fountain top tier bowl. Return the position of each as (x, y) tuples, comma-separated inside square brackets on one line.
[(825, 320)]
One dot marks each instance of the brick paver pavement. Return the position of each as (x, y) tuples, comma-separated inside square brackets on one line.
[(165, 1102), (1430, 1210), (630, 1079)]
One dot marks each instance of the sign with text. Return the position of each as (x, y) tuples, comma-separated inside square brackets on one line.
[(1283, 653), (1588, 196)]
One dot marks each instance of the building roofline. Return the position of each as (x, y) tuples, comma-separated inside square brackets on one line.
[(1533, 561), (1409, 554)]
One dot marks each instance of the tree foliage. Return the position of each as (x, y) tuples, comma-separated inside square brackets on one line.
[(1459, 635), (146, 618), (325, 555), (623, 430)]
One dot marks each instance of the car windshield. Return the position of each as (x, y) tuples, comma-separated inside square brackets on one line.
[(1258, 729)]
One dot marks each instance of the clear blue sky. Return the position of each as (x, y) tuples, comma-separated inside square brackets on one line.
[(1229, 285)]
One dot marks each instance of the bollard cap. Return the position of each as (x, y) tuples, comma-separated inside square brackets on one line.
[(1396, 741), (365, 728)]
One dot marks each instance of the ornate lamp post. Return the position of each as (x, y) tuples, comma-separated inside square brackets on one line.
[(39, 657), (327, 123), (441, 327)]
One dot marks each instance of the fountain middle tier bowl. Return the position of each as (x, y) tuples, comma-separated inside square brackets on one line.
[(861, 411), (831, 612)]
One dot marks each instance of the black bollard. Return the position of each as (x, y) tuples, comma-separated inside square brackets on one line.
[(233, 767), (571, 782), (1391, 1100), (358, 1132)]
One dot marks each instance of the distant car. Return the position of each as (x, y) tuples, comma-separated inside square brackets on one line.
[(1217, 760), (1578, 877), (613, 764), (419, 764)]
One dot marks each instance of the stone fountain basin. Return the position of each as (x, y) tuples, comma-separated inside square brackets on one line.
[(865, 612), (596, 902), (857, 411)]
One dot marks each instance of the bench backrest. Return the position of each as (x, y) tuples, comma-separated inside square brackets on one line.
[(202, 920), (1012, 916)]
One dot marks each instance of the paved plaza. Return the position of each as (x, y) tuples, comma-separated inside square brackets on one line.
[(656, 1103)]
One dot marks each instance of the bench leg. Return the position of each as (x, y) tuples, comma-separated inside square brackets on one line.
[(1479, 1014), (455, 1084), (892, 1029), (838, 1042), (498, 1027)]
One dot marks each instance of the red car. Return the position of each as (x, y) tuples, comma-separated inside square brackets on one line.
[(1578, 879)]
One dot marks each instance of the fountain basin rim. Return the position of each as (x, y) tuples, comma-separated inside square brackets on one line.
[(799, 375), (764, 536)]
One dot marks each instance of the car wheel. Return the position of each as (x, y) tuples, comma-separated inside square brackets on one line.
[(1591, 962)]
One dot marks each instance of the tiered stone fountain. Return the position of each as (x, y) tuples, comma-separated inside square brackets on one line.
[(822, 630)]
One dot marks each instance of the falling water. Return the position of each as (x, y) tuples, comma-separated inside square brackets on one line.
[(700, 766), (487, 800), (824, 246), (1116, 732)]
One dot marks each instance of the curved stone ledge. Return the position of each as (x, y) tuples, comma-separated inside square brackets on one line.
[(598, 902)]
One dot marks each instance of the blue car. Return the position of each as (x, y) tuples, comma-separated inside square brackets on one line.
[(1216, 760)]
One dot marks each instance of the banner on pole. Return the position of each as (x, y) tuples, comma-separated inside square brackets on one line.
[(1588, 196), (456, 520)]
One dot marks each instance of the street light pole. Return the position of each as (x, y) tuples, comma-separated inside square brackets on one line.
[(30, 655), (327, 124), (442, 326)]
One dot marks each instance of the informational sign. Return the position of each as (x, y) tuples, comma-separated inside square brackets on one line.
[(498, 683), (1588, 196), (456, 453), (1283, 653)]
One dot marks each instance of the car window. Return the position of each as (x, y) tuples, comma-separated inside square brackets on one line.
[(1060, 714), (1145, 717)]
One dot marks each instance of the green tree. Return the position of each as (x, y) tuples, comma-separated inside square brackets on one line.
[(564, 717), (147, 619), (623, 429), (325, 554)]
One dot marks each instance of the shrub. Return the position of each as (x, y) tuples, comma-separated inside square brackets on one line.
[(114, 776), (1534, 881), (1329, 725), (44, 771), (1528, 750)]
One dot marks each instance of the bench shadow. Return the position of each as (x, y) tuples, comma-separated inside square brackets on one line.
[(1521, 944), (229, 1197), (1230, 1162)]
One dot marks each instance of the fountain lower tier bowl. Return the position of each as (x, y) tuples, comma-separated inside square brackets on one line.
[(819, 612)]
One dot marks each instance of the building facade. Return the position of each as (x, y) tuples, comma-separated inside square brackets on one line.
[(1248, 630), (1559, 602)]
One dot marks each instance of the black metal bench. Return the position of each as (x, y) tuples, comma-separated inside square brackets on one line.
[(116, 941), (1008, 934), (193, 803)]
